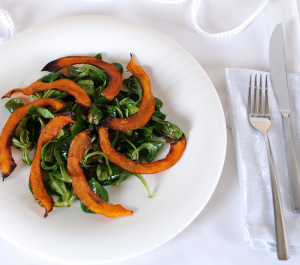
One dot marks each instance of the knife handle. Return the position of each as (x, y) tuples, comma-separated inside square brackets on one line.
[(294, 172)]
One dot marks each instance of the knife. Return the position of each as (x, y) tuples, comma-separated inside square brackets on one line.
[(280, 86)]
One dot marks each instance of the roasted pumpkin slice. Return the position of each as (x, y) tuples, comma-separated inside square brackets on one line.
[(81, 97), (176, 150), (81, 187), (146, 109), (7, 163), (115, 78), (48, 133)]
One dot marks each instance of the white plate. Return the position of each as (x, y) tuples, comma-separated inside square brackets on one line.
[(190, 101)]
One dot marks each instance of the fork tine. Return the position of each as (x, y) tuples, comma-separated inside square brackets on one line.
[(261, 106), (267, 110), (249, 98), (255, 97)]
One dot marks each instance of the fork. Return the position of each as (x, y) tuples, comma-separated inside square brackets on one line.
[(260, 119)]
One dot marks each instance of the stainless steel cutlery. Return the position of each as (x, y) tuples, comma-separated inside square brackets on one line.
[(260, 119), (280, 87)]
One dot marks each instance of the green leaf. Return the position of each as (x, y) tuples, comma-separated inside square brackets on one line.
[(15, 142), (98, 75), (65, 177), (57, 93), (38, 95), (88, 87), (119, 67), (33, 129), (50, 77), (148, 150), (135, 87), (78, 127), (48, 167), (48, 93), (103, 169), (55, 184), (101, 100), (24, 137), (76, 72), (62, 95), (99, 190), (67, 199), (26, 158), (145, 184), (147, 130), (122, 138), (158, 104), (13, 104), (23, 123), (167, 129), (48, 151), (97, 115), (56, 151), (40, 120), (40, 110), (64, 147), (112, 111), (29, 186), (159, 115), (119, 175), (114, 102), (79, 113), (99, 56), (130, 106)]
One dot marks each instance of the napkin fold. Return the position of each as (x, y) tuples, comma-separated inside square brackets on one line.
[(252, 162)]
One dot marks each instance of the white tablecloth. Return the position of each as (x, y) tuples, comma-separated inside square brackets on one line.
[(216, 235)]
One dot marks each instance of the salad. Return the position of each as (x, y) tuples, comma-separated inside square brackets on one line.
[(90, 128)]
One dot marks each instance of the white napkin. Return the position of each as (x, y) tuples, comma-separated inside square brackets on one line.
[(252, 162)]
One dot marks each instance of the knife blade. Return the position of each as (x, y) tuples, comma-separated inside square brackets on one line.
[(280, 87)]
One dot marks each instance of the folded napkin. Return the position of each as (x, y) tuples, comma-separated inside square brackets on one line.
[(252, 162)]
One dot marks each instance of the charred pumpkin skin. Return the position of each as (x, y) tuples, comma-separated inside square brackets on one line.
[(81, 187), (7, 163), (176, 150), (115, 78), (48, 133), (147, 106), (81, 97)]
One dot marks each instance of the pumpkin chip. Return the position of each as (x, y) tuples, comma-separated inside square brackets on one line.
[(81, 97), (7, 163), (115, 78), (36, 180), (81, 187), (176, 150), (146, 109)]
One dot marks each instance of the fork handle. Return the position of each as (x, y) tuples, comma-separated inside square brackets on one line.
[(282, 246), (292, 163)]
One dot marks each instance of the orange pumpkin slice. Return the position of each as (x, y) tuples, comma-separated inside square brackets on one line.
[(115, 78), (89, 198), (176, 150), (48, 133), (7, 163), (81, 97), (147, 106)]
